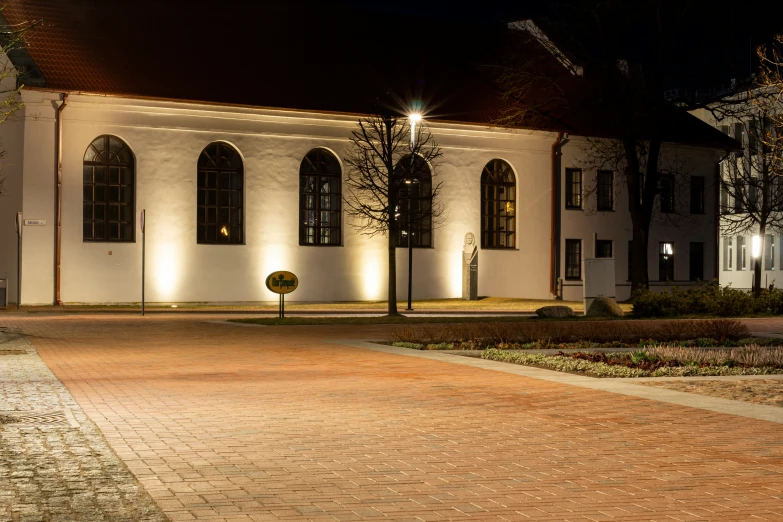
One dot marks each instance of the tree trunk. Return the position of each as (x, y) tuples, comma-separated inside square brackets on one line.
[(639, 268), (757, 262), (392, 229), (641, 208)]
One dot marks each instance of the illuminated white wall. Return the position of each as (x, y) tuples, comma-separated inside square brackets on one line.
[(679, 228), (732, 273), (167, 138)]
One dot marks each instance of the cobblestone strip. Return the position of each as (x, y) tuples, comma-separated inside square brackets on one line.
[(62, 472)]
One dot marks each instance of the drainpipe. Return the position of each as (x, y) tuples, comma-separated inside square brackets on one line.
[(553, 232), (59, 218)]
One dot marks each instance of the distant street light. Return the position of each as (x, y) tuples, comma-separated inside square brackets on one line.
[(755, 247)]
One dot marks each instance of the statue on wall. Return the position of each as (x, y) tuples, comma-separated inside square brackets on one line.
[(470, 268)]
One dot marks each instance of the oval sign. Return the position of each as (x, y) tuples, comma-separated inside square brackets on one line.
[(282, 282)]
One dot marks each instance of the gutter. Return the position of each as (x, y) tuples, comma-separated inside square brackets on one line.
[(554, 240), (59, 195)]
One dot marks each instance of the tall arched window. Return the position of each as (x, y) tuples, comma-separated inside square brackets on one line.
[(498, 199), (219, 215), (109, 191), (415, 186), (319, 199)]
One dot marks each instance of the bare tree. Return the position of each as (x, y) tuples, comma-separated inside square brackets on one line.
[(387, 183), (751, 181), (616, 61), (12, 42), (673, 208)]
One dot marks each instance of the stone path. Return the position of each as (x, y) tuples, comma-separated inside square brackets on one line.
[(224, 422), (56, 465)]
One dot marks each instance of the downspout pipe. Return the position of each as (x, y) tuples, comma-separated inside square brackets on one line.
[(553, 231), (59, 216)]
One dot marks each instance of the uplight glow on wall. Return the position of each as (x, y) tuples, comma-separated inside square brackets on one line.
[(273, 257), (166, 259), (453, 267), (373, 273)]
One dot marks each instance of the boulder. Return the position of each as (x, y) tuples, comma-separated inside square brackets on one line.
[(604, 307), (556, 311)]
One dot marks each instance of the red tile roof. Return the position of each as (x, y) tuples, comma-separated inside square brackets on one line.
[(302, 55)]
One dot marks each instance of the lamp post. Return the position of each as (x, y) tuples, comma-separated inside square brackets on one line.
[(413, 119)]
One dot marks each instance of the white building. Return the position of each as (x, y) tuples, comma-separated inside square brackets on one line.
[(216, 228), (740, 245)]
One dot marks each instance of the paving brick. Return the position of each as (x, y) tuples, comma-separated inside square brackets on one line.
[(222, 422)]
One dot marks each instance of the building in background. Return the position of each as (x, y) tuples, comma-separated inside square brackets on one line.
[(233, 139)]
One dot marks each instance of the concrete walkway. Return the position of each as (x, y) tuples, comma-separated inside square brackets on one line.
[(620, 385), (227, 422)]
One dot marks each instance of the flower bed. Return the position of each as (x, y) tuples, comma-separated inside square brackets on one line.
[(578, 334), (662, 361)]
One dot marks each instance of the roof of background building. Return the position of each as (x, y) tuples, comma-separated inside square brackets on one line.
[(305, 56)]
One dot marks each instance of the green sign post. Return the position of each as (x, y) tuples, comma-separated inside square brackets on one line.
[(282, 282)]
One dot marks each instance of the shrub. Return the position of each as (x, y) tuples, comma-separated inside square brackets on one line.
[(403, 344), (440, 346), (704, 298)]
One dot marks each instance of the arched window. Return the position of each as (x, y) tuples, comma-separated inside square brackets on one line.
[(219, 216), (319, 199), (498, 216), (109, 191), (415, 186)]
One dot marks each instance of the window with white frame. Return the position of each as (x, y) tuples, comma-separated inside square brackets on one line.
[(769, 252), (741, 257), (666, 262), (728, 253), (573, 259)]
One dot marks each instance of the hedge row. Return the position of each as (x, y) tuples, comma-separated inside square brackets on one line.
[(706, 299)]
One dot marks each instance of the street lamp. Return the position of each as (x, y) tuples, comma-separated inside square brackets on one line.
[(413, 119)]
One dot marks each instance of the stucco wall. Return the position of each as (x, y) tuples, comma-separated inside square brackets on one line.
[(11, 164), (680, 227), (11, 143), (167, 139)]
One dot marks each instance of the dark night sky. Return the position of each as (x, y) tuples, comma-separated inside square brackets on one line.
[(719, 45)]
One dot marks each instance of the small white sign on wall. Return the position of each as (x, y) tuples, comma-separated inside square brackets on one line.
[(34, 222)]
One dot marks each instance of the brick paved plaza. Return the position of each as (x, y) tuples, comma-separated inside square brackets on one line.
[(230, 422)]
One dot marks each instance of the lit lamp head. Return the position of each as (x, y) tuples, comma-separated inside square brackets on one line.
[(755, 247), (413, 119)]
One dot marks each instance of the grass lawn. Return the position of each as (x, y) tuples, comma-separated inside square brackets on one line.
[(295, 321), (454, 304)]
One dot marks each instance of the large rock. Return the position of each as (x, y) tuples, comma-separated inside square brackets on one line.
[(556, 311), (604, 307)]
